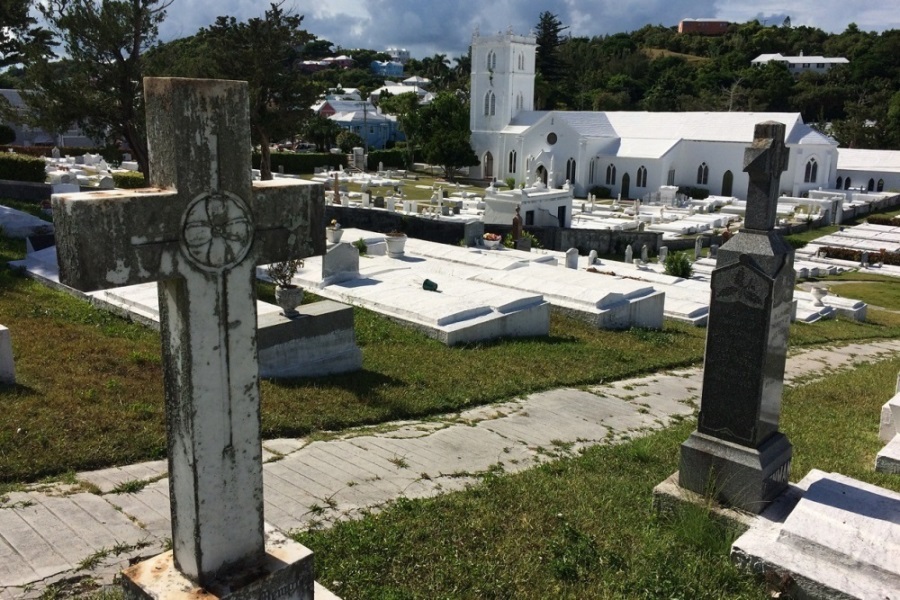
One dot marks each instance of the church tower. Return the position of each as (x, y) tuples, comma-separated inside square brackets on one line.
[(502, 85), (502, 79)]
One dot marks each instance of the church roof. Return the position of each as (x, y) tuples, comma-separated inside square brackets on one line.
[(667, 127), (852, 159)]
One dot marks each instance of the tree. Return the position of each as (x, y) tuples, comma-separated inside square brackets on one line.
[(98, 86), (19, 33), (406, 108), (321, 131), (547, 61), (444, 127), (348, 140), (264, 52)]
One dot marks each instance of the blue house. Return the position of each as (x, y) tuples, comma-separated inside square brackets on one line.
[(386, 68)]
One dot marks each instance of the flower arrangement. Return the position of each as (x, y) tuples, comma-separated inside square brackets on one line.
[(282, 273), (395, 233), (334, 224), (492, 237)]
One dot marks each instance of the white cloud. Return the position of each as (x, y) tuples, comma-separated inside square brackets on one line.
[(426, 27)]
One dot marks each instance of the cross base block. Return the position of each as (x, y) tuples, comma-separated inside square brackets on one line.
[(286, 573), (739, 476)]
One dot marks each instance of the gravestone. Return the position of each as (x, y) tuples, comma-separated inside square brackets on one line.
[(629, 254), (645, 256), (737, 452), (572, 258), (592, 257), (342, 259), (698, 247), (713, 250), (663, 253), (517, 225), (200, 231), (7, 364)]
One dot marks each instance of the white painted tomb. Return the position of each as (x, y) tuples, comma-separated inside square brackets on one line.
[(7, 363), (321, 341), (831, 536)]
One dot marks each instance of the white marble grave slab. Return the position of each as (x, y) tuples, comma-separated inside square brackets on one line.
[(842, 539)]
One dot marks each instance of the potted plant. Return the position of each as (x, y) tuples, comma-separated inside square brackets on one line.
[(492, 240), (334, 232), (287, 295), (396, 241)]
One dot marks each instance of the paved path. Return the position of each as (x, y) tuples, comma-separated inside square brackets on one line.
[(68, 534)]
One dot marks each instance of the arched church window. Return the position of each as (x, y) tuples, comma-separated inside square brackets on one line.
[(840, 183), (591, 169), (491, 60), (811, 173), (642, 177), (570, 170), (847, 184), (611, 175), (493, 104), (702, 174), (487, 103), (521, 61), (512, 161), (880, 187)]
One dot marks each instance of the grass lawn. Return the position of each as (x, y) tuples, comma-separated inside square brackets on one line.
[(583, 527)]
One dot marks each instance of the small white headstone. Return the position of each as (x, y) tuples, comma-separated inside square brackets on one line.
[(663, 253), (698, 247), (572, 258), (629, 253), (645, 256), (7, 365), (592, 257)]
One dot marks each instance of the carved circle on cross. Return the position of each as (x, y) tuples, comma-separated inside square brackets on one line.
[(217, 231)]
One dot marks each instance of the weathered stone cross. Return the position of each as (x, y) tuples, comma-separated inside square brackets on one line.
[(764, 162), (200, 231)]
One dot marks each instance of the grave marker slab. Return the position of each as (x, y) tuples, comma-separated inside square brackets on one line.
[(737, 451), (200, 231)]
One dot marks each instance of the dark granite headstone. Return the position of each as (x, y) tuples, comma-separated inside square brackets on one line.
[(737, 452)]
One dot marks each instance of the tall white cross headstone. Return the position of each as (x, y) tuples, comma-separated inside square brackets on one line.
[(199, 231)]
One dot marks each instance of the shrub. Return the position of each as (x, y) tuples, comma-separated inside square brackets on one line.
[(303, 163), (601, 192), (7, 134), (692, 192), (129, 180), (883, 220), (388, 158), (361, 245), (18, 167), (677, 264), (347, 141), (510, 182)]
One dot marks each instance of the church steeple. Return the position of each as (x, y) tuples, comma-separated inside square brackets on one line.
[(502, 79)]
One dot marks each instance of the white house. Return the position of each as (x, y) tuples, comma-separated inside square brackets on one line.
[(801, 64), (631, 153)]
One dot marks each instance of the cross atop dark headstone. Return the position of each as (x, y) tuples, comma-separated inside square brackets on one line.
[(737, 451), (199, 232), (764, 162)]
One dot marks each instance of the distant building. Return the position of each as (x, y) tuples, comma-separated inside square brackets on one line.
[(395, 89), (629, 153), (801, 64), (869, 170), (400, 55), (703, 26), (30, 136), (386, 68)]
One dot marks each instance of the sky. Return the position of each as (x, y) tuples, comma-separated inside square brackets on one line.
[(428, 27)]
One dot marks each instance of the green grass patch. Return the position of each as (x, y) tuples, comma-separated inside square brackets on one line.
[(583, 527), (90, 392)]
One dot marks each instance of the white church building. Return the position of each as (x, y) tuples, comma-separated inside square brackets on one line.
[(631, 153)]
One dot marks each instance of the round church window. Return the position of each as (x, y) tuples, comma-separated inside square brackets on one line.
[(551, 138)]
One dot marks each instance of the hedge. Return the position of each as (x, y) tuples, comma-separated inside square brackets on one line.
[(18, 167), (882, 220), (109, 154), (884, 257), (302, 163), (390, 159), (129, 180)]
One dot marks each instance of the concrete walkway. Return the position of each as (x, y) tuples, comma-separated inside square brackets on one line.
[(83, 534)]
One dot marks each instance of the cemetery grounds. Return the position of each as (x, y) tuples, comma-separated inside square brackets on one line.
[(90, 396)]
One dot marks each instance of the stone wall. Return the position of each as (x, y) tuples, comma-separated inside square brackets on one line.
[(433, 230), (606, 241), (24, 190)]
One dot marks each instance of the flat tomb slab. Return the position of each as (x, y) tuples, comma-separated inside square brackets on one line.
[(841, 540), (461, 311)]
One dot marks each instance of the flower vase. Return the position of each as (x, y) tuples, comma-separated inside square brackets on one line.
[(333, 235), (289, 298), (491, 244), (395, 245)]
